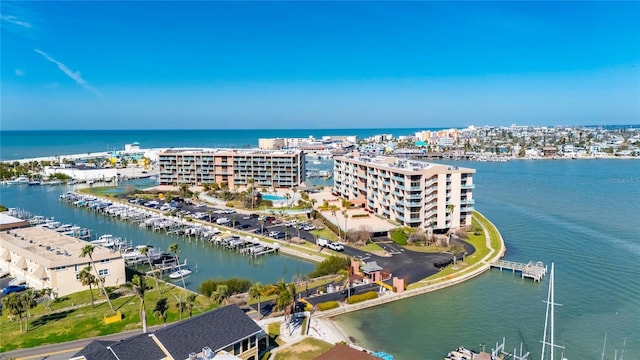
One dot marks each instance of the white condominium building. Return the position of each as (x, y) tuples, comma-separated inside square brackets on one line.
[(412, 193), (235, 167), (47, 259)]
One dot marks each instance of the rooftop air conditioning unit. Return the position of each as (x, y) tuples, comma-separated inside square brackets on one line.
[(206, 351)]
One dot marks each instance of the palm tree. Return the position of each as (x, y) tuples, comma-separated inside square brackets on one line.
[(346, 230), (221, 294), (184, 188), (181, 305), (139, 288), (250, 190), (255, 291), (333, 212), (13, 304), (87, 250), (261, 221), (191, 301), (175, 249), (161, 310), (145, 251), (88, 279)]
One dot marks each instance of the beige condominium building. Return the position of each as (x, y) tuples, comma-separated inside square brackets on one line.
[(412, 193), (44, 258), (235, 167)]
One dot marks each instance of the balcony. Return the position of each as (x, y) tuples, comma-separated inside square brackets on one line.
[(398, 178), (467, 186), (467, 202)]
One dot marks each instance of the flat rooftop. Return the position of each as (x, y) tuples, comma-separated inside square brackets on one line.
[(222, 151), (400, 163), (50, 248)]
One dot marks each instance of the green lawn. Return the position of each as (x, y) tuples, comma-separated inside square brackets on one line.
[(471, 262), (325, 233), (59, 325), (307, 349)]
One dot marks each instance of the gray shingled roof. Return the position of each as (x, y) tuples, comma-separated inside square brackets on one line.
[(136, 348), (96, 350), (216, 329)]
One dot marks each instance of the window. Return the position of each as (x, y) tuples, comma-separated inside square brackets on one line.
[(236, 348), (104, 261), (103, 272)]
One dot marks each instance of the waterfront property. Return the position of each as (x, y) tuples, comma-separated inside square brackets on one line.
[(45, 258), (225, 333), (235, 167), (412, 193)]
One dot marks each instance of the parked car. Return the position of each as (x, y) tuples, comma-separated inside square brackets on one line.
[(308, 227), (278, 235), (13, 288)]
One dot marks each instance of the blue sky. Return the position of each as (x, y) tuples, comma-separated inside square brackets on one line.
[(229, 65)]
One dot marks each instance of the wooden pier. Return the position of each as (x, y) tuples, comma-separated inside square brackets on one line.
[(533, 270)]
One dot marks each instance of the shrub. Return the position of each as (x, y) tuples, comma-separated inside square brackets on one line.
[(235, 286), (362, 297), (330, 266), (399, 237), (327, 305), (359, 215)]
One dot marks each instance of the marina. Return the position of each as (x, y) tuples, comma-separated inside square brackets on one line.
[(155, 221)]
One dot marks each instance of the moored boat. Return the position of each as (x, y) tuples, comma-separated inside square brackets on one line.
[(180, 273)]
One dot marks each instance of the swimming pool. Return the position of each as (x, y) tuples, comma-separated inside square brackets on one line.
[(273, 197)]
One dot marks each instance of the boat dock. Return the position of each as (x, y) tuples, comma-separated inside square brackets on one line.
[(533, 270)]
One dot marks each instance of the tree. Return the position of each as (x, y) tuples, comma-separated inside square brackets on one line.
[(88, 279), (184, 190), (346, 216), (455, 251), (13, 305), (145, 251), (161, 310), (191, 301), (333, 212), (139, 286), (175, 249), (181, 305), (87, 250), (221, 294), (255, 291)]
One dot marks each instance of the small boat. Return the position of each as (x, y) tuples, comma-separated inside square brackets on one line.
[(34, 183), (18, 181), (180, 273)]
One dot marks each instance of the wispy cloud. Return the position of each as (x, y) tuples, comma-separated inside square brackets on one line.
[(74, 75), (15, 21), (20, 72)]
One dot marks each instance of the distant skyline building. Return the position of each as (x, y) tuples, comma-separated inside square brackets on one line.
[(268, 168), (412, 193)]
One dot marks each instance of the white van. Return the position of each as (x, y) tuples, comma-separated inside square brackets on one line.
[(323, 242), (223, 221)]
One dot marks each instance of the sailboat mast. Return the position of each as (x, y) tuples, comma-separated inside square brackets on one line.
[(552, 285), (546, 318)]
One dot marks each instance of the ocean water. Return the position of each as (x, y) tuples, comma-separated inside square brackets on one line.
[(29, 144), (582, 214)]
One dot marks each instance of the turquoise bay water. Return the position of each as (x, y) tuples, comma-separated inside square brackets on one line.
[(584, 215), (209, 261)]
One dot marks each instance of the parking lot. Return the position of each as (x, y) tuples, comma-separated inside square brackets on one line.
[(399, 261)]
